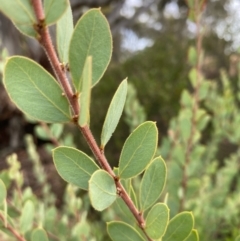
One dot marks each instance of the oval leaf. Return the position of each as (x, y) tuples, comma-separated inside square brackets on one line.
[(64, 34), (42, 133), (138, 150), (56, 130), (86, 93), (179, 227), (39, 234), (22, 15), (114, 113), (193, 236), (3, 192), (102, 190), (192, 56), (119, 231), (35, 91), (54, 9), (152, 183), (26, 219), (74, 166), (91, 36), (157, 221)]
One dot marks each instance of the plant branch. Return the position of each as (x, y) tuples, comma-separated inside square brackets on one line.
[(195, 107), (99, 155), (45, 41), (126, 198), (96, 150), (12, 230)]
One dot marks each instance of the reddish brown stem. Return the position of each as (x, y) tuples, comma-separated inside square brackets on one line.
[(12, 230), (37, 5), (96, 150), (46, 42), (124, 195)]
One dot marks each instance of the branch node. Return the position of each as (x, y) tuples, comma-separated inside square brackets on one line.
[(75, 95), (75, 119), (142, 225), (101, 149), (116, 178), (119, 191), (67, 67), (39, 26), (62, 66)]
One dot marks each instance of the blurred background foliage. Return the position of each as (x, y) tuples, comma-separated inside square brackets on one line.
[(151, 47)]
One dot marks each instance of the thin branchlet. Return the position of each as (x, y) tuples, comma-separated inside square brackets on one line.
[(10, 228), (189, 147)]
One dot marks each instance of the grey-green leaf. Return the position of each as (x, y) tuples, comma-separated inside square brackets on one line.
[(86, 93), (39, 234), (120, 231), (74, 166), (35, 91), (41, 133), (3, 192), (114, 113), (179, 227), (22, 15), (56, 130), (193, 236), (152, 183), (54, 9), (138, 150), (91, 36), (26, 219), (64, 34), (102, 190), (157, 221)]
